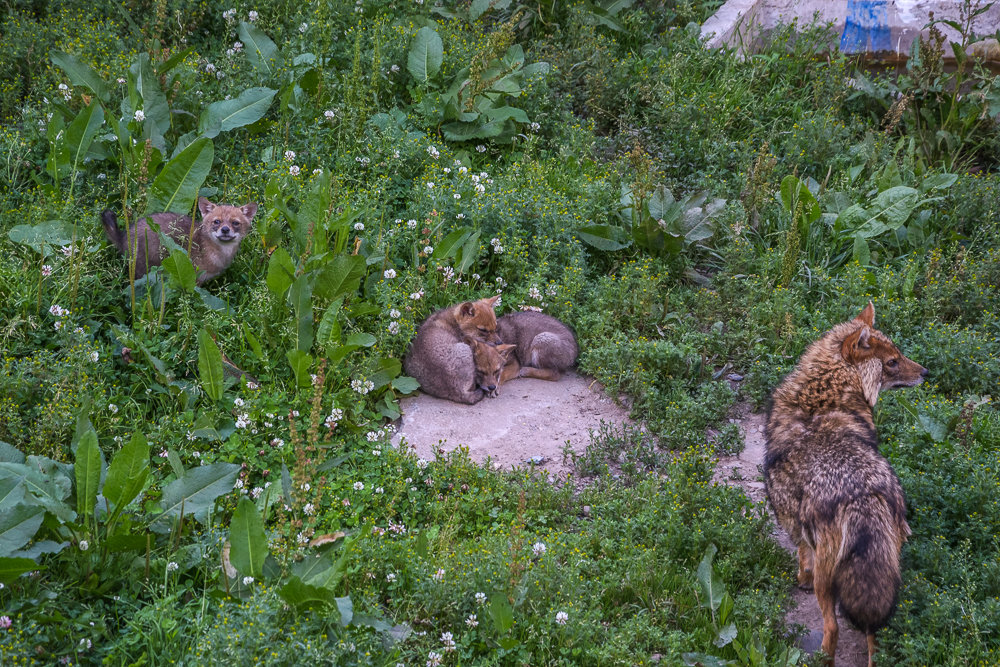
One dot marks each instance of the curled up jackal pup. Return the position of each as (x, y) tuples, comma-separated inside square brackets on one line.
[(440, 356), (214, 239), (832, 491)]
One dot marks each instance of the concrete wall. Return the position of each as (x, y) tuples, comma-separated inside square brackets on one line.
[(884, 28)]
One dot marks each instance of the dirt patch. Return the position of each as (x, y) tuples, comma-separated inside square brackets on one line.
[(530, 423), (745, 471)]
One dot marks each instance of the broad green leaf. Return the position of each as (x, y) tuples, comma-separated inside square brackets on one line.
[(449, 245), (210, 366), (339, 277), (18, 525), (404, 384), (300, 363), (477, 130), (47, 483), (173, 61), (12, 568), (10, 454), (128, 472), (661, 205), (388, 370), (726, 635), (88, 473), (346, 608), (43, 235), (468, 253), (505, 113), (280, 272), (895, 205), (604, 237), (425, 56), (711, 585), (300, 300), (197, 491), (248, 107), (178, 265), (478, 8), (262, 53), (175, 188), (81, 132), (303, 596), (248, 543), (81, 74), (12, 491), (329, 326), (501, 612), (862, 253), (938, 182)]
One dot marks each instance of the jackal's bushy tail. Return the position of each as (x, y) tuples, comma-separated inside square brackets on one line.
[(115, 235), (867, 576)]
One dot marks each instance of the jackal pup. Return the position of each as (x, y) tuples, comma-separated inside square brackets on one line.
[(441, 359), (837, 497), (214, 240), (546, 347), (490, 361)]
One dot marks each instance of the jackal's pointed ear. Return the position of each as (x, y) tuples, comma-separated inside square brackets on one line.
[(205, 206), (492, 301), (505, 350), (857, 346), (467, 309), (249, 210), (868, 315)]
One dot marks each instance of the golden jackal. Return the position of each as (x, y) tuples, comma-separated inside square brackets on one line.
[(546, 347), (837, 497), (440, 357), (214, 240)]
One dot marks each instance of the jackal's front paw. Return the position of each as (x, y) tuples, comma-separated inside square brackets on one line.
[(805, 580)]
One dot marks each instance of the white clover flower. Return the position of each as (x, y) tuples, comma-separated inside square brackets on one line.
[(277, 443), (480, 148), (46, 270), (539, 549), (242, 420), (416, 296), (229, 14), (359, 226), (330, 114), (172, 566), (63, 86), (290, 156), (309, 509), (94, 356), (303, 27), (251, 385), (562, 617), (317, 172), (394, 69), (448, 640), (393, 327), (113, 408), (255, 492), (253, 16), (5, 622), (480, 598), (238, 402), (237, 46), (480, 189), (460, 216), (433, 152), (457, 196), (85, 644), (58, 311), (535, 293), (84, 545), (247, 581), (439, 575), (379, 490), (389, 274), (294, 170), (359, 486), (535, 127), (190, 434), (394, 314), (433, 659), (430, 185), (209, 67), (412, 224), (139, 115), (421, 464), (391, 577)]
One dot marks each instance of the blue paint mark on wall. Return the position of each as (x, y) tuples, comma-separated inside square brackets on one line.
[(866, 27)]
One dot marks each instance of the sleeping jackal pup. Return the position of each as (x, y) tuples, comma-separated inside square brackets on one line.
[(214, 240)]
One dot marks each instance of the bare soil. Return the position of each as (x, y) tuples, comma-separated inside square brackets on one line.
[(529, 423), (744, 471)]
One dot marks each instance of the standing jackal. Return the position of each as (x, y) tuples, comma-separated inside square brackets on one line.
[(837, 497)]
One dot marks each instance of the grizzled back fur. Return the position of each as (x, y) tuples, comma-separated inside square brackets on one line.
[(546, 347), (831, 489)]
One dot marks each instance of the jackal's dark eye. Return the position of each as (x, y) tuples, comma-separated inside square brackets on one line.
[(216, 221), (892, 363), (235, 223)]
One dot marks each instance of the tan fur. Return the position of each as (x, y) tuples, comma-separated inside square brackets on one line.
[(440, 357), (831, 490), (490, 362), (545, 347), (214, 240)]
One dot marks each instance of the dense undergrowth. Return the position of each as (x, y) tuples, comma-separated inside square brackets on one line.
[(698, 218)]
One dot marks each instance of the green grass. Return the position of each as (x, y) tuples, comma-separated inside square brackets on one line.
[(600, 570)]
